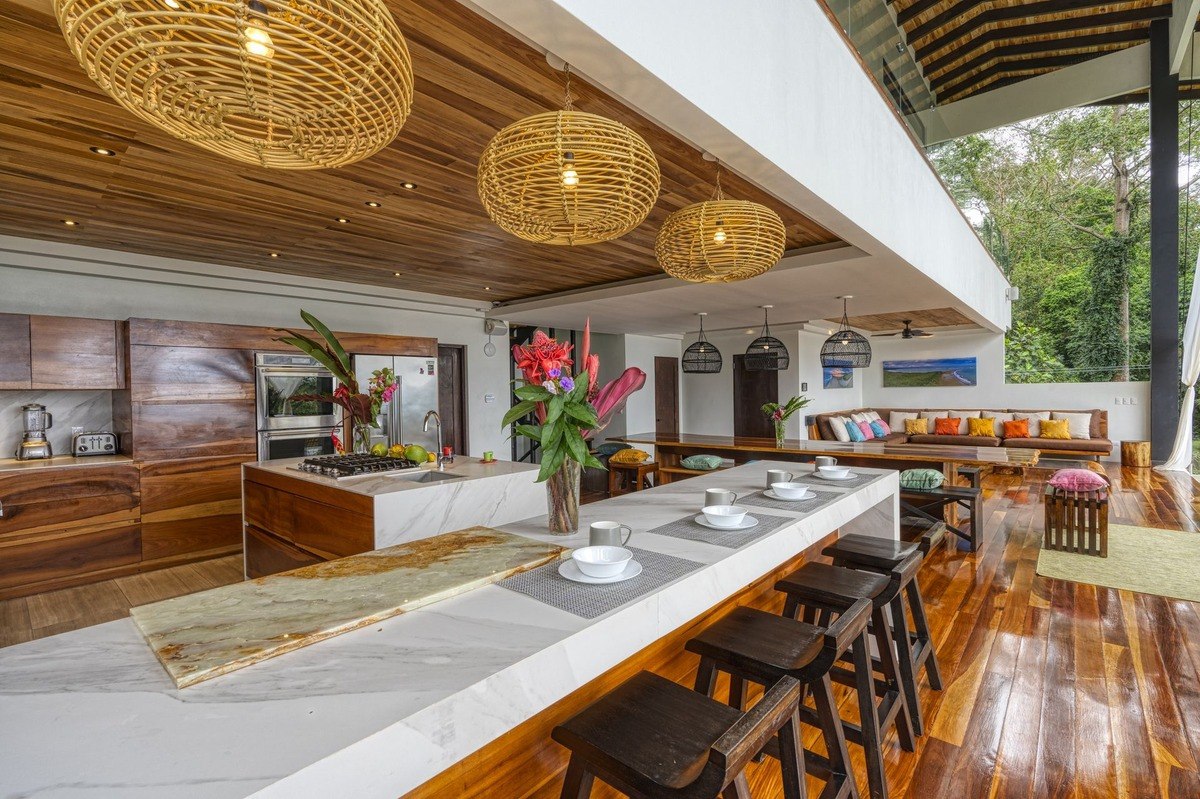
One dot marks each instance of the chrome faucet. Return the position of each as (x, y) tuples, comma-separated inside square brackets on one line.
[(441, 459)]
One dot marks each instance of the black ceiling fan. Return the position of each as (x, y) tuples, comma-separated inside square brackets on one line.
[(907, 332)]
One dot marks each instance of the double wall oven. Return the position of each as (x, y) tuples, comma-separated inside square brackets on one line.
[(290, 425)]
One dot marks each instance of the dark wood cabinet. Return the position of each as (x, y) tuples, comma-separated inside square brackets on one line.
[(15, 372), (191, 509), (70, 353), (267, 554)]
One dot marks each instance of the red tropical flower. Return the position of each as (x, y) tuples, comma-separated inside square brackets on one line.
[(539, 356)]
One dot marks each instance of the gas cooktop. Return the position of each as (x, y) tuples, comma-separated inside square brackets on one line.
[(340, 467)]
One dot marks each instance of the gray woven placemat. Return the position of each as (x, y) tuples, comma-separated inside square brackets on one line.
[(855, 482), (588, 601), (690, 529), (817, 499)]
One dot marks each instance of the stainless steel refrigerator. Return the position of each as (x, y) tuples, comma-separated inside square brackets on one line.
[(401, 419)]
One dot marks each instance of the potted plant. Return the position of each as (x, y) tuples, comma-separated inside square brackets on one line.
[(779, 414)]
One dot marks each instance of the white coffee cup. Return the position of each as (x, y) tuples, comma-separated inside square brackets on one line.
[(718, 496), (608, 534), (725, 515), (825, 460), (778, 476)]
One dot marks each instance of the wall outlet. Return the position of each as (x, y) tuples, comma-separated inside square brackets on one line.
[(1133, 400), (76, 431)]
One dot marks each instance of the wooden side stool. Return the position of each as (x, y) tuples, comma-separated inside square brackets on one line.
[(1077, 521), (626, 477), (973, 475), (930, 504)]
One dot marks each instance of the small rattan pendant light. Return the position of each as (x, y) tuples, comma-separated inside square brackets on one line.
[(720, 240), (702, 357), (767, 352), (568, 177), (846, 348)]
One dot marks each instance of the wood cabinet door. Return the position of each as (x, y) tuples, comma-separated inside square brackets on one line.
[(14, 351), (266, 554), (71, 353)]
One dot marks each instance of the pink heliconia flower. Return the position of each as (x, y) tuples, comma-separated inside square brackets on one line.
[(612, 397)]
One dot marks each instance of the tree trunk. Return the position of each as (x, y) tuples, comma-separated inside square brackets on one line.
[(1121, 215)]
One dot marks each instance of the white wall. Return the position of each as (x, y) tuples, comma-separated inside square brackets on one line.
[(611, 349), (64, 280), (640, 351)]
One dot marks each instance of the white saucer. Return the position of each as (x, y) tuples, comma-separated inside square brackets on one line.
[(746, 524), (770, 494), (849, 476), (570, 570)]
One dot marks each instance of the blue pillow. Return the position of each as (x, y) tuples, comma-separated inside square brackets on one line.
[(855, 433), (878, 429)]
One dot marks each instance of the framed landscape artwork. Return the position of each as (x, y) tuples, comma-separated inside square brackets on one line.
[(837, 377), (929, 373)]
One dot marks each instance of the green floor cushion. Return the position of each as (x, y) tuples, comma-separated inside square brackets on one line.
[(921, 479), (701, 463)]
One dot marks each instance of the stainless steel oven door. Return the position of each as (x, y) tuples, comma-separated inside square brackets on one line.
[(276, 444), (277, 391)]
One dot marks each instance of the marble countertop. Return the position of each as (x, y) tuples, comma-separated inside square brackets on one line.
[(380, 710), (377, 485), (61, 461)]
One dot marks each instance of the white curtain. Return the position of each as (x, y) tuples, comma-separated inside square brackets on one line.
[(1181, 453)]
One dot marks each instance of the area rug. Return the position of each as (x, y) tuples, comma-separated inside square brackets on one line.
[(1145, 559)]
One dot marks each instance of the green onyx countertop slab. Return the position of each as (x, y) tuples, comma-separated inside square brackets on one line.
[(207, 634)]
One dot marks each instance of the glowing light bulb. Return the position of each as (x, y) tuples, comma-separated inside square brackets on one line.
[(172, 4), (258, 42), (569, 176), (719, 236)]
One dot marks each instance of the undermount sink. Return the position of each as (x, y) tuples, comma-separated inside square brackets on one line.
[(430, 477)]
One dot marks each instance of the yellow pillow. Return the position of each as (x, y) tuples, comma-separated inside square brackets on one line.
[(630, 456), (916, 427), (981, 427), (1055, 428)]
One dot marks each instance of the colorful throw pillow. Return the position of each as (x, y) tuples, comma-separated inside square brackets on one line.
[(838, 425), (1016, 428), (916, 427), (610, 448), (1000, 418), (985, 426), (701, 463), (1055, 428), (1078, 480), (945, 426), (879, 428), (1035, 418), (630, 456), (855, 433), (867, 432), (1081, 423), (921, 479)]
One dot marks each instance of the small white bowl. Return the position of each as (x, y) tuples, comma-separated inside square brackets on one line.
[(602, 561), (834, 471), (725, 515), (790, 490)]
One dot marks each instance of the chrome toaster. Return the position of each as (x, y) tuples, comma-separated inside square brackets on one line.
[(83, 444)]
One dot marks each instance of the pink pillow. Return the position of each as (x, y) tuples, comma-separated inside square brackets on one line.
[(867, 432), (887, 428), (1078, 480)]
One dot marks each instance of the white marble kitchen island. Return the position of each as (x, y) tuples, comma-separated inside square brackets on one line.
[(379, 711)]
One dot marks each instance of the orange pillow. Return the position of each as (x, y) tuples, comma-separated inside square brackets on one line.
[(1016, 428), (945, 426)]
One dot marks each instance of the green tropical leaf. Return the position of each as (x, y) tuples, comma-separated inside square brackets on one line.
[(554, 409), (335, 346), (315, 350), (529, 431), (551, 435), (531, 392), (584, 413), (576, 445), (594, 462), (518, 411), (551, 462)]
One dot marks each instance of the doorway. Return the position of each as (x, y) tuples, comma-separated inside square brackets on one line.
[(753, 388), (666, 396), (452, 395)]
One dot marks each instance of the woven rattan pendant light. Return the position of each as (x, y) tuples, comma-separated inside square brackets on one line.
[(720, 240), (702, 357), (767, 352), (846, 348), (286, 84), (568, 177)]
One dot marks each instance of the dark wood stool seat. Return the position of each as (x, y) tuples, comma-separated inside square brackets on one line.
[(652, 737), (922, 530), (755, 646), (821, 582)]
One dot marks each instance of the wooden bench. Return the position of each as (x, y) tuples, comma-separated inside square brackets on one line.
[(626, 477), (925, 504), (1076, 521)]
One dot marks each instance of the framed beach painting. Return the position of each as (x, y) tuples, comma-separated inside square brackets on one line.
[(929, 373), (837, 377)]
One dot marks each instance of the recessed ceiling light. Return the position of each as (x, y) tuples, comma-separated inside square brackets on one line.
[(70, 222), (274, 255), (372, 204), (342, 219), (408, 185), (487, 288), (397, 274), (103, 151)]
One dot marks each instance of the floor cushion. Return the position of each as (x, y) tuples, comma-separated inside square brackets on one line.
[(921, 479), (701, 463), (1078, 480)]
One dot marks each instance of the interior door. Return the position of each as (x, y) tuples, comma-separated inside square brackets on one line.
[(452, 395), (666, 396), (752, 388)]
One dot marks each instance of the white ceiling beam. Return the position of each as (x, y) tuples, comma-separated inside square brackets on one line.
[(1183, 25)]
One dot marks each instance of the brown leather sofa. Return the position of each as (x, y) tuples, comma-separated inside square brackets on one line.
[(1096, 446)]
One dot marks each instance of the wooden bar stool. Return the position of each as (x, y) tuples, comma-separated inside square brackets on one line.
[(626, 477), (823, 592), (759, 647), (653, 738), (882, 556)]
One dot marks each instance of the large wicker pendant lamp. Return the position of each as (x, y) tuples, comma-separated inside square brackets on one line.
[(720, 240), (846, 348), (568, 177), (286, 84), (767, 352), (702, 356)]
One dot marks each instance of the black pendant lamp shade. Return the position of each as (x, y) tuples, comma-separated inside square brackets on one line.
[(702, 357), (767, 352), (846, 348)]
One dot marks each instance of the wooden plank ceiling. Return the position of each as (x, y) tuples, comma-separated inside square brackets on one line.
[(927, 319), (161, 196), (970, 46)]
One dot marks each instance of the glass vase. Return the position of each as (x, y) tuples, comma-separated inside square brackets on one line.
[(361, 437), (780, 429), (562, 498)]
